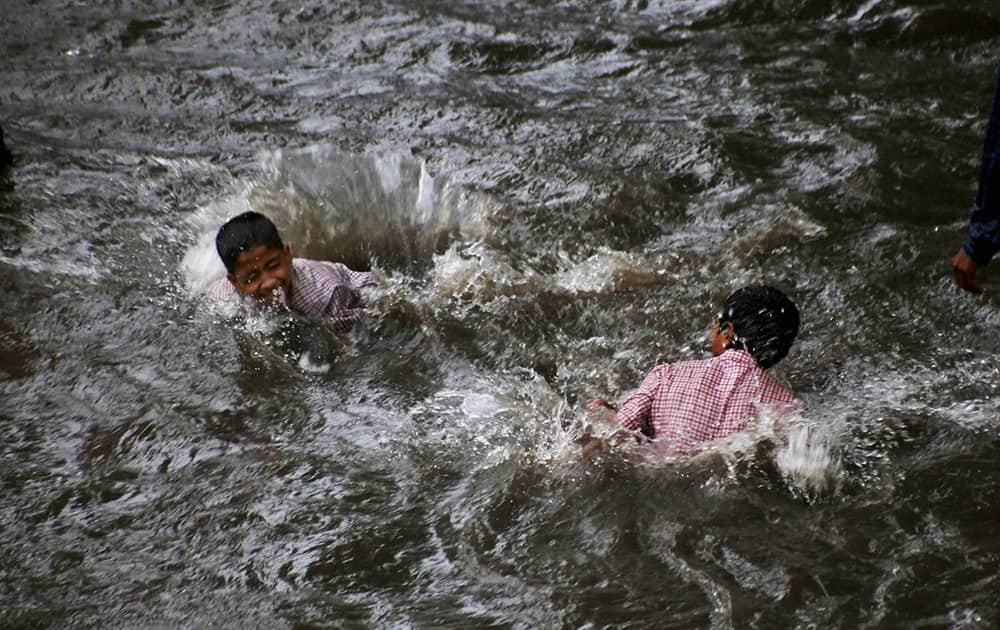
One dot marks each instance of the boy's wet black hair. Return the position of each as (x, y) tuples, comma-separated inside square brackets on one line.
[(243, 233), (764, 321)]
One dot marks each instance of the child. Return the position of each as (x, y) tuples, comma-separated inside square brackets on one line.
[(689, 402), (260, 266)]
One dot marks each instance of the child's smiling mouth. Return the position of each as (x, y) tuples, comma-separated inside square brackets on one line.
[(277, 296)]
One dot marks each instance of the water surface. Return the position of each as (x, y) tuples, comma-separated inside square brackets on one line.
[(558, 195)]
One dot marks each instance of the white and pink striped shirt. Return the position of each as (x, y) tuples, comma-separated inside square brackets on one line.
[(689, 402), (319, 288)]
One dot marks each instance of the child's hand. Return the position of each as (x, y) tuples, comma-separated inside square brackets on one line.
[(597, 404), (599, 409), (592, 446)]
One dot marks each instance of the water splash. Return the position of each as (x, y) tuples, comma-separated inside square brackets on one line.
[(364, 210), (809, 461), (604, 271)]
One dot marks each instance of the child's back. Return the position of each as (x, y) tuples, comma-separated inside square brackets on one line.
[(690, 402), (686, 403)]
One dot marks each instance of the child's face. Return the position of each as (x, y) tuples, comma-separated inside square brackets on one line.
[(264, 273)]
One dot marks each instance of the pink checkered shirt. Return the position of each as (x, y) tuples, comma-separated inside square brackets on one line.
[(689, 402), (320, 288)]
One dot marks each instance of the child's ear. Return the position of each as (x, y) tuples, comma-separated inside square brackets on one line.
[(232, 280), (728, 333)]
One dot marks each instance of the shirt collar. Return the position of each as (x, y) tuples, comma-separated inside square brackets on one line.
[(734, 355)]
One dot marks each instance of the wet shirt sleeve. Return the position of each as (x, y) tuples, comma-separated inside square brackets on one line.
[(635, 413), (343, 308), (221, 290), (983, 240)]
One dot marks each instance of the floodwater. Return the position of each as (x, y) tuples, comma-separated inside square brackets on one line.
[(558, 196)]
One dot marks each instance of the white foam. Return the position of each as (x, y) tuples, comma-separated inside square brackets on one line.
[(606, 270), (201, 265), (808, 461), (474, 273)]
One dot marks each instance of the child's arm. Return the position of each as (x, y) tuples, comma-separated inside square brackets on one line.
[(632, 419), (600, 409), (343, 310), (635, 413)]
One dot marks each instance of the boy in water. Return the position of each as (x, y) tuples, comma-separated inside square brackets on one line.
[(261, 267), (689, 402)]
